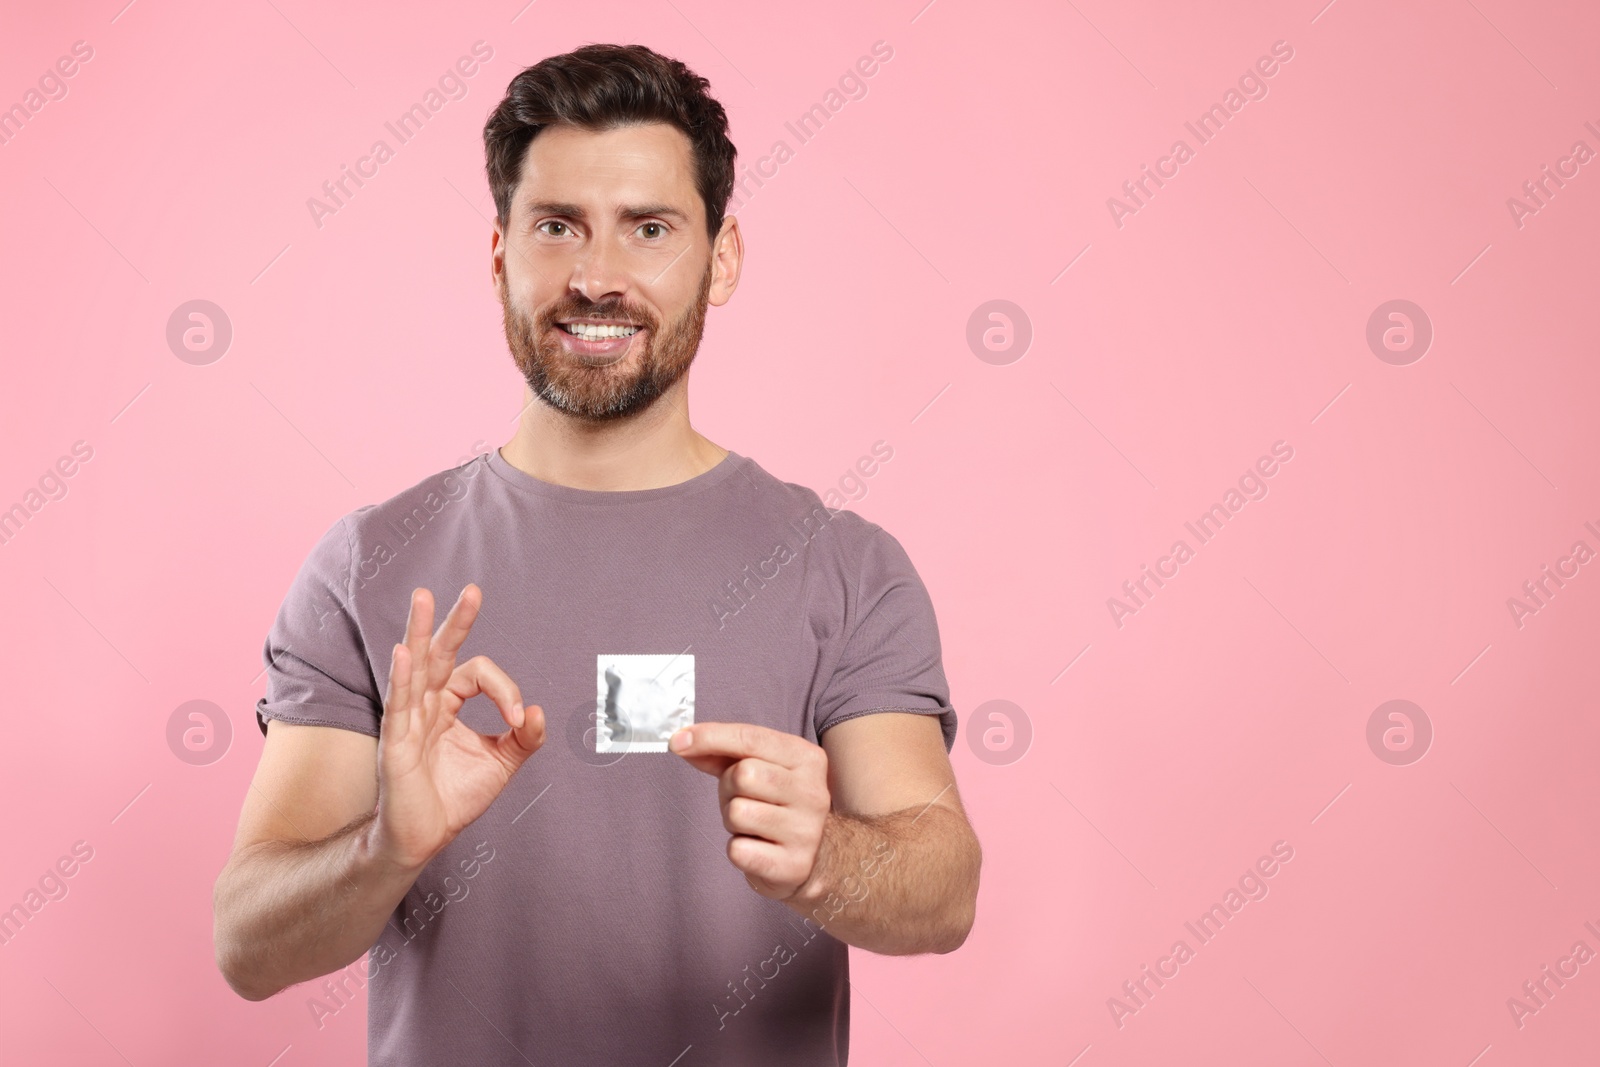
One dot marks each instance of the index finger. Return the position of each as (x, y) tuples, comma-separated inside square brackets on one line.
[(418, 624), (452, 635), (741, 740)]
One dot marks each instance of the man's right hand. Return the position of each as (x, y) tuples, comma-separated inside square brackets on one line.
[(435, 773)]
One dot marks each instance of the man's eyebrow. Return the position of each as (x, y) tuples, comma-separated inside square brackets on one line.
[(573, 211), (552, 207), (659, 210)]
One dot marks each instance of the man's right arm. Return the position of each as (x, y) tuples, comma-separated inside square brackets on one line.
[(338, 824), (304, 892)]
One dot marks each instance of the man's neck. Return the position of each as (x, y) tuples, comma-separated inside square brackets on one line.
[(655, 449)]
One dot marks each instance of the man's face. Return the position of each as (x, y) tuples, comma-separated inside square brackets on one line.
[(606, 229)]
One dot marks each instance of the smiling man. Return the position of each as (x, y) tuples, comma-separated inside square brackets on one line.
[(732, 761)]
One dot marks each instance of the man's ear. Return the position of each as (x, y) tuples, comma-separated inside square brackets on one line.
[(497, 253), (727, 260)]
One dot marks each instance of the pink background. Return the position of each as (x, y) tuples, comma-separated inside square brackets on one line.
[(1228, 313)]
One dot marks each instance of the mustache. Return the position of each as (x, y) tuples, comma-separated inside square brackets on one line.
[(601, 310)]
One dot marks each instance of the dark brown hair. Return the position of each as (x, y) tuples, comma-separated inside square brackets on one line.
[(600, 87)]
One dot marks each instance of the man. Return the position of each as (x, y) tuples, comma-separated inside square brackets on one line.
[(737, 763)]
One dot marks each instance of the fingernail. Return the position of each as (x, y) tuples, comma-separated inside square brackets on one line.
[(681, 741)]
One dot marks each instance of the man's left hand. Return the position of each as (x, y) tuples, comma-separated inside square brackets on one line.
[(773, 790)]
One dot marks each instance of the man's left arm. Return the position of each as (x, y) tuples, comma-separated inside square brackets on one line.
[(864, 835)]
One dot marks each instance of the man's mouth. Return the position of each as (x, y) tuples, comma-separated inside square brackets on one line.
[(588, 331)]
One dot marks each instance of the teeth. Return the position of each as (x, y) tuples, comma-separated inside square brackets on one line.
[(599, 333)]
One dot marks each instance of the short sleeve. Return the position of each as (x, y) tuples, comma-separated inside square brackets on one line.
[(318, 673), (890, 659)]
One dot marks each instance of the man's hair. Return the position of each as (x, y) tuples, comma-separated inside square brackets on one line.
[(601, 87)]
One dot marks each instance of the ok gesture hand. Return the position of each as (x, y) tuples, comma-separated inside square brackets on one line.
[(435, 773)]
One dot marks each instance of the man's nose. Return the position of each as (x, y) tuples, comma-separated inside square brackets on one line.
[(599, 271)]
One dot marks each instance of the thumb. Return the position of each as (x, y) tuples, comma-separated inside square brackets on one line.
[(520, 742)]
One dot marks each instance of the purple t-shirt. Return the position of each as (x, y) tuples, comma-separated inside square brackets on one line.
[(591, 915)]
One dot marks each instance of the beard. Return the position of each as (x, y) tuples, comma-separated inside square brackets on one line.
[(603, 391)]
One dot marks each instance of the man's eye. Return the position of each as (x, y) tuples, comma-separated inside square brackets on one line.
[(653, 226), (551, 222)]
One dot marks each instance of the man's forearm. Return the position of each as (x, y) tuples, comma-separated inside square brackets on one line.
[(287, 913), (897, 884)]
